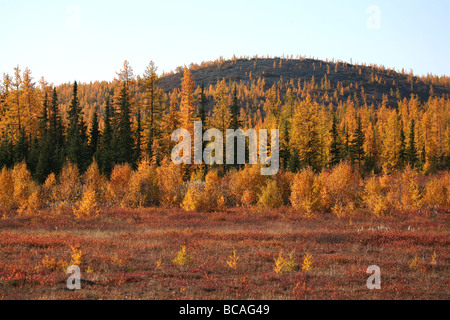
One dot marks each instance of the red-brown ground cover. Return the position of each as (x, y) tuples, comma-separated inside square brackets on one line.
[(128, 254)]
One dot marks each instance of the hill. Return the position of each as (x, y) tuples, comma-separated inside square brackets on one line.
[(327, 77)]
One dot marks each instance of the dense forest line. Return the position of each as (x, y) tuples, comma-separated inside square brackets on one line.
[(321, 122)]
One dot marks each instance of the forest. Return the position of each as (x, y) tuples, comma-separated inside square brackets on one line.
[(324, 127)]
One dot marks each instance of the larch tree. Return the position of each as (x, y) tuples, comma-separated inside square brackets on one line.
[(152, 105), (187, 107), (304, 135)]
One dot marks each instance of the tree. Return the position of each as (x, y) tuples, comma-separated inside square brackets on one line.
[(22, 146), (357, 143), (170, 123), (392, 143), (335, 154), (124, 139), (202, 105), (411, 154), (304, 135), (137, 150), (107, 150), (221, 117), (152, 105), (77, 145), (94, 136), (187, 108)]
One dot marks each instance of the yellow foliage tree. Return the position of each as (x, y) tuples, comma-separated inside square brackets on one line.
[(87, 207), (118, 184), (250, 179), (93, 179), (23, 184), (143, 189), (171, 185), (306, 192), (6, 185), (69, 189), (437, 191), (271, 196), (375, 197)]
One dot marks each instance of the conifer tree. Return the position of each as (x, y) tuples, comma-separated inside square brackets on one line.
[(107, 150), (21, 147), (124, 138), (137, 151), (335, 154), (76, 144), (304, 135), (152, 105), (357, 143), (202, 104), (187, 108), (411, 154), (94, 137)]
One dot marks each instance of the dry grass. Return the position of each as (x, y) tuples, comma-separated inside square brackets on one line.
[(129, 254)]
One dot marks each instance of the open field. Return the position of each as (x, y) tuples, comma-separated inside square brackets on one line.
[(128, 254)]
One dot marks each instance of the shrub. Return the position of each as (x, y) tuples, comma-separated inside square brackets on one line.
[(143, 187), (87, 207), (284, 180), (285, 263), (307, 262), (34, 203), (279, 263), (171, 185), (182, 258), (23, 184), (204, 196), (94, 180), (6, 185), (118, 184), (437, 191), (232, 261), (306, 192), (69, 189), (411, 193), (49, 190), (248, 198), (342, 189), (213, 194), (194, 198), (290, 264), (77, 256), (375, 197), (249, 178), (271, 196)]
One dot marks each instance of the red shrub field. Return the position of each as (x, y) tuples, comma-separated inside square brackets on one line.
[(160, 253)]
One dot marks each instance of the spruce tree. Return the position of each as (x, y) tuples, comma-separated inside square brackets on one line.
[(94, 136), (22, 146), (6, 152), (124, 138), (335, 154), (356, 144), (152, 105), (77, 148), (107, 151), (202, 105), (137, 151)]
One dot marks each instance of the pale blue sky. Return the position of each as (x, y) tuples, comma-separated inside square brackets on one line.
[(49, 38)]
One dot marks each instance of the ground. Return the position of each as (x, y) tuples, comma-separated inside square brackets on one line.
[(128, 254)]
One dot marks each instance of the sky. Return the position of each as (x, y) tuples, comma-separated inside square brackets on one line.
[(89, 40)]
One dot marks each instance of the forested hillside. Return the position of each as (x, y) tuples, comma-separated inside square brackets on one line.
[(327, 112)]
